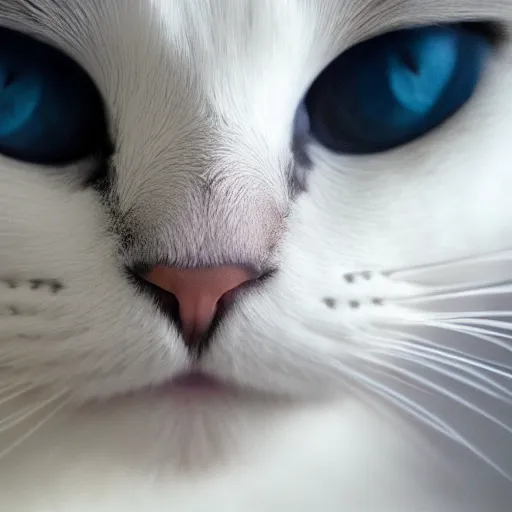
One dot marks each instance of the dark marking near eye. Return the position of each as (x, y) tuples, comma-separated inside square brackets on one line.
[(330, 302), (302, 163), (102, 175), (297, 179), (366, 275), (299, 145), (377, 302), (354, 304), (14, 311)]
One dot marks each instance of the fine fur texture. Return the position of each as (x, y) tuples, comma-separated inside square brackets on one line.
[(374, 361)]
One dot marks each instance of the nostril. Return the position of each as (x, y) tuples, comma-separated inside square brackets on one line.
[(165, 301)]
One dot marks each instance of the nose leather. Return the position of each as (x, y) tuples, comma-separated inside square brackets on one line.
[(198, 291)]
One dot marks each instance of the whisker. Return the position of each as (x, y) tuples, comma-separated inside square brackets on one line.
[(399, 379), (457, 270), (456, 327), (409, 354), (442, 391), (373, 384), (446, 359), (506, 326), (471, 332), (462, 302), (466, 291), (17, 417), (409, 337), (458, 355), (493, 366), (456, 315), (16, 394), (20, 440), (424, 416)]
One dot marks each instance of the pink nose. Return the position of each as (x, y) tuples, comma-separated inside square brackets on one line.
[(198, 291)]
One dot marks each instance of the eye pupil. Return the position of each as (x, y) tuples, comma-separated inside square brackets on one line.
[(390, 90), (9, 79), (433, 59), (409, 61)]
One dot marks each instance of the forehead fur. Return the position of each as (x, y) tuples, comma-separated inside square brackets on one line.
[(211, 37)]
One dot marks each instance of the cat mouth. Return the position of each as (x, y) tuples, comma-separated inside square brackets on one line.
[(194, 383)]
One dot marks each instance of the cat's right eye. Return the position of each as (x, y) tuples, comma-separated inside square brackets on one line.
[(50, 110)]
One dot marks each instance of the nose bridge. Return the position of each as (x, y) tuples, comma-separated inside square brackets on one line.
[(225, 211), (198, 292), (212, 171)]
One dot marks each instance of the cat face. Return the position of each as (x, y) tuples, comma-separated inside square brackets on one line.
[(207, 169)]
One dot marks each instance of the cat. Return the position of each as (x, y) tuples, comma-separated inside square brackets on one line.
[(255, 255)]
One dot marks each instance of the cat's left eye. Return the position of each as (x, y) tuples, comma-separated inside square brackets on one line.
[(50, 110), (390, 90)]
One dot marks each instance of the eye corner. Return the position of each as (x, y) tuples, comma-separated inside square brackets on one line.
[(494, 32)]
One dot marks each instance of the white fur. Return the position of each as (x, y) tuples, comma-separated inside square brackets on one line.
[(204, 92)]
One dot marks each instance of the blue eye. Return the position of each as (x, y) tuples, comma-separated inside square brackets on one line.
[(392, 89), (50, 110)]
